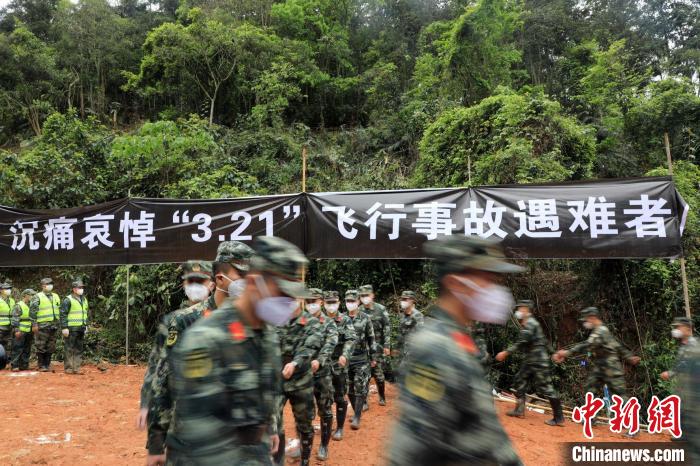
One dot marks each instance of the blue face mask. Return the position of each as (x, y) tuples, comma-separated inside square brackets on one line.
[(275, 310)]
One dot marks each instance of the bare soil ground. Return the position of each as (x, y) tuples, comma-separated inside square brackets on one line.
[(59, 419)]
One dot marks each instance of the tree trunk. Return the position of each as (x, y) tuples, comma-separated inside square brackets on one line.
[(211, 106)]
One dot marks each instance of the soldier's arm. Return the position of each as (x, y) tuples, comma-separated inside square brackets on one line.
[(622, 351), (63, 312), (524, 339), (387, 329), (155, 392), (329, 344), (350, 338), (420, 320), (313, 340), (371, 342), (585, 345), (33, 309)]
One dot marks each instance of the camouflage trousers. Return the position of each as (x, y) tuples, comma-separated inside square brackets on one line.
[(340, 384), (21, 350), (378, 370), (358, 379), (537, 377), (601, 375), (243, 455), (45, 340), (303, 409), (323, 392), (6, 340), (73, 345)]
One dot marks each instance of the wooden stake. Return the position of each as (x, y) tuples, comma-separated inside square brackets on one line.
[(303, 169), (684, 276)]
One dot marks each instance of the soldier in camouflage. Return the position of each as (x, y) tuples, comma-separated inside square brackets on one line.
[(535, 370), (682, 331), (22, 325), (364, 356), (382, 334), (7, 304), (605, 353), (44, 313), (447, 414), (231, 264), (411, 320), (340, 357), (301, 340), (321, 367), (225, 376)]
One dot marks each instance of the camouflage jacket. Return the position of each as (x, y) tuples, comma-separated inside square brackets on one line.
[(64, 309), (447, 415), (365, 347), (531, 343), (300, 342), (329, 332), (682, 359), (346, 341), (603, 347), (225, 380), (155, 392), (687, 376), (380, 323), (408, 325)]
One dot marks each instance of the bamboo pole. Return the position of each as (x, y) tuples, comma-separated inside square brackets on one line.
[(303, 190)]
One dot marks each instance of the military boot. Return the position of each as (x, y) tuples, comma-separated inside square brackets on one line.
[(519, 410), (278, 458), (380, 389), (340, 412), (41, 362), (355, 424), (307, 441), (326, 425), (558, 413)]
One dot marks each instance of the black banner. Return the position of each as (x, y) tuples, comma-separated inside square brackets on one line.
[(633, 218)]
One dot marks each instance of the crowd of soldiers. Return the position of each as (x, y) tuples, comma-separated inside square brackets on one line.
[(35, 319)]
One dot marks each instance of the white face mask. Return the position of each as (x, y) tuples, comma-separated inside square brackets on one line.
[(235, 287), (313, 308), (332, 308), (7, 292), (79, 291), (196, 292), (677, 333), (351, 306), (366, 300), (490, 304), (48, 288), (588, 325), (405, 304), (518, 314), (275, 310)]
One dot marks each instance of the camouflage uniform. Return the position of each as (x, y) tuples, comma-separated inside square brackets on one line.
[(535, 370), (6, 334), (300, 341), (323, 379), (687, 376), (225, 374), (359, 368), (343, 347), (45, 338), (22, 345), (409, 323), (382, 334), (605, 353), (73, 343), (447, 415)]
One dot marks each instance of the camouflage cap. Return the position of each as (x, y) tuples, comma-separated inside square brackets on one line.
[(455, 254), (352, 295), (46, 281), (331, 295), (28, 292), (5, 286), (366, 289), (682, 321), (589, 311), (235, 253), (77, 283), (196, 269), (528, 303), (316, 293), (408, 294), (282, 260)]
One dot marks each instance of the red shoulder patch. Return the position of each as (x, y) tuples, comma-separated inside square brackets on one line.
[(236, 330), (206, 312), (321, 319), (465, 342), (302, 320)]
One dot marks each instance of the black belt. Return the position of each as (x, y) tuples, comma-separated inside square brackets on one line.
[(250, 435)]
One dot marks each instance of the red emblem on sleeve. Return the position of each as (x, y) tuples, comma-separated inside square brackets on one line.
[(465, 342), (236, 330)]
